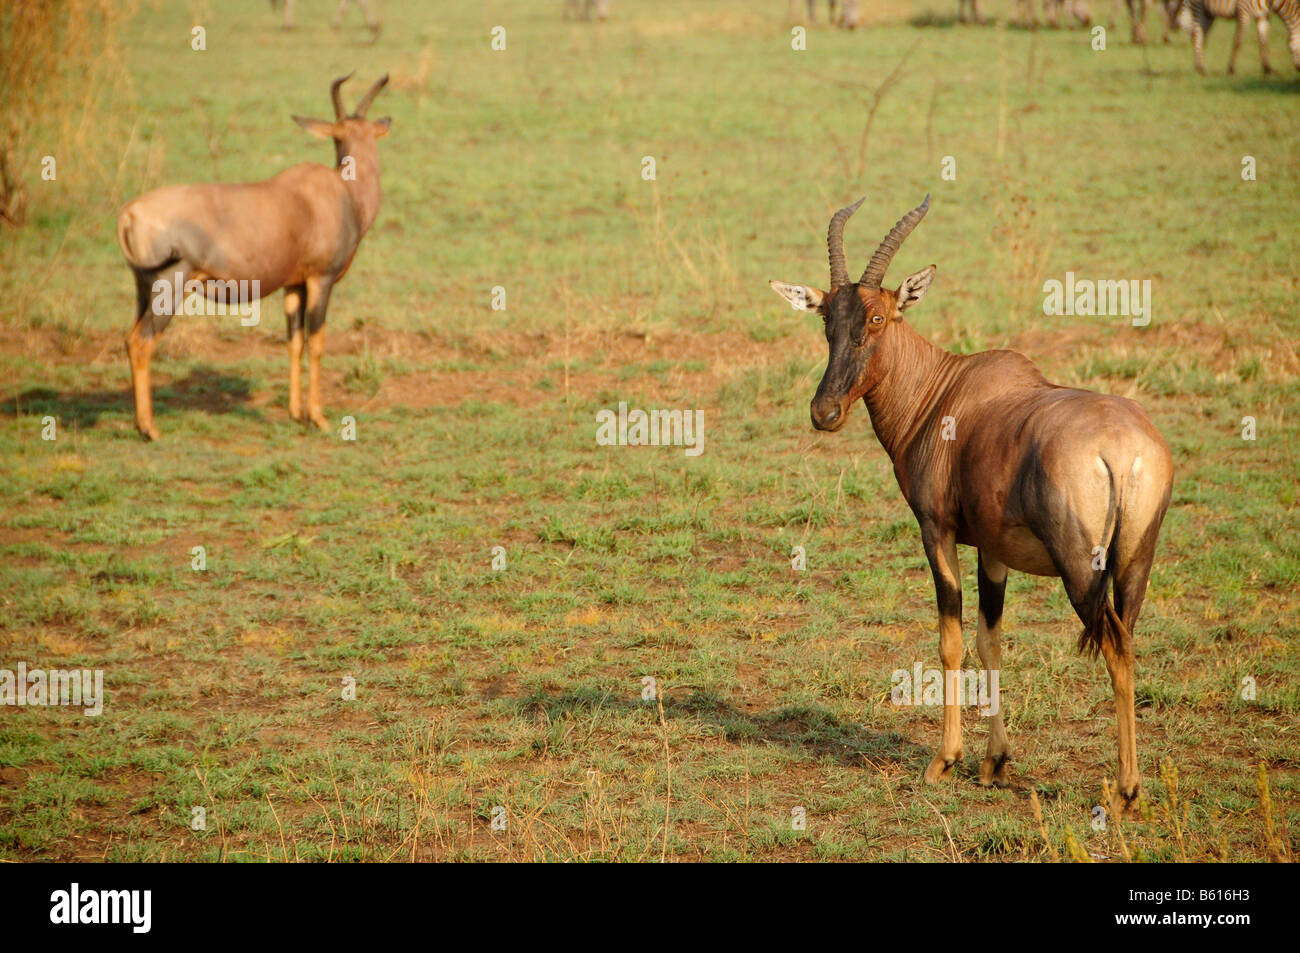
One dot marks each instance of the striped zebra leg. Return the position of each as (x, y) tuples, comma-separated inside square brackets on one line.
[(1261, 28), (1201, 23), (1137, 14), (1174, 15), (1289, 11), (1243, 18), (1204, 13)]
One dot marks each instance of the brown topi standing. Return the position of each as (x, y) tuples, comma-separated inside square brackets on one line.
[(298, 231), (1048, 480)]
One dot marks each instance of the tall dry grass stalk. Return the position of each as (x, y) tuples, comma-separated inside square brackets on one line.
[(1276, 844), (60, 61)]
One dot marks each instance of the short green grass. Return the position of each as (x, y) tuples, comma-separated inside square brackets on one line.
[(522, 689)]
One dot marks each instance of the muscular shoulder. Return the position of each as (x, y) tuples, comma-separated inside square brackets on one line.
[(308, 174), (989, 373)]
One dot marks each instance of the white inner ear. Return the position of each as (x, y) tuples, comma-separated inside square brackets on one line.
[(914, 287), (801, 297)]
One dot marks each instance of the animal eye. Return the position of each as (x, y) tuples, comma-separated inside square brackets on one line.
[(877, 318)]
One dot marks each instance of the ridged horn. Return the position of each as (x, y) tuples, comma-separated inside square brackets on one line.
[(370, 95), (879, 263), (835, 243), (337, 97)]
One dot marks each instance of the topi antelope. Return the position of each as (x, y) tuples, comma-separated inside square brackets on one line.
[(298, 231), (1047, 480)]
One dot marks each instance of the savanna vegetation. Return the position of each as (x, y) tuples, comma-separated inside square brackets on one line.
[(522, 689)]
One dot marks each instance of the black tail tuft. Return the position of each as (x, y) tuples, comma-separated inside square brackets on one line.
[(1106, 626)]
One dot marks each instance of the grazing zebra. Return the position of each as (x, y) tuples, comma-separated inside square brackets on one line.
[(1289, 11), (1174, 13), (812, 11), (372, 21), (1076, 8), (847, 15), (1171, 12), (1205, 11)]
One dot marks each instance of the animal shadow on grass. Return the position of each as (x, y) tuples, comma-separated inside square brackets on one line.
[(810, 727), (1283, 80), (950, 21), (202, 389)]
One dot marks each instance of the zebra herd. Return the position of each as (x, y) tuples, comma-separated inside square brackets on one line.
[(846, 14), (1192, 16), (1204, 12)]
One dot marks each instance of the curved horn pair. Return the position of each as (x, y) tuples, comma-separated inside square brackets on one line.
[(366, 100), (884, 253)]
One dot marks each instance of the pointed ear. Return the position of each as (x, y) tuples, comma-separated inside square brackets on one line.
[(317, 127), (801, 297), (914, 287), (381, 127)]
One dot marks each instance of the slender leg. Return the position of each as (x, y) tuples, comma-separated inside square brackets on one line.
[(1200, 29), (139, 351), (151, 319), (941, 549), (1138, 21), (1130, 592), (372, 21), (1261, 27), (1242, 17), (1089, 591), (1120, 663), (992, 588), (318, 299), (294, 305)]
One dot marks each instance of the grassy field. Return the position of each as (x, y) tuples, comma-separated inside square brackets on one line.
[(521, 689)]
